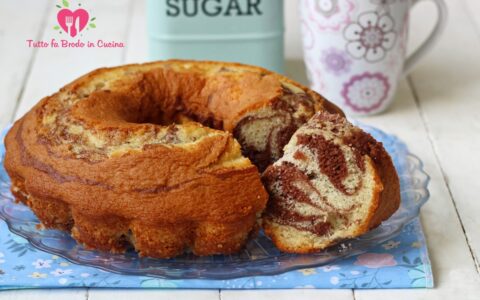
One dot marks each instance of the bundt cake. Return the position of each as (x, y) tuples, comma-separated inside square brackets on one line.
[(146, 156), (334, 182)]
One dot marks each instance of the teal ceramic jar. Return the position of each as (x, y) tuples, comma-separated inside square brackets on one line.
[(246, 31)]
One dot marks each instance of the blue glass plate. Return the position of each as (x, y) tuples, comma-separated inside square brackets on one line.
[(260, 257)]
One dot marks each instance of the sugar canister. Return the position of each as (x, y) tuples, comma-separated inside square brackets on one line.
[(246, 31)]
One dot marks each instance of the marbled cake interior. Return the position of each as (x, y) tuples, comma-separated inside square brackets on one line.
[(327, 186)]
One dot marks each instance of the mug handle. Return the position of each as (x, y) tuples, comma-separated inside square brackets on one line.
[(427, 45)]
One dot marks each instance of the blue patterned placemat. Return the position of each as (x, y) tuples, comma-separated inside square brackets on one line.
[(401, 262)]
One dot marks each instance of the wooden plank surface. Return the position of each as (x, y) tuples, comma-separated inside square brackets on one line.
[(16, 58), (64, 294), (296, 294), (450, 108), (137, 43), (453, 267), (123, 294)]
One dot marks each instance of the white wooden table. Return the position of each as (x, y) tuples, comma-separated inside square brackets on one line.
[(437, 113)]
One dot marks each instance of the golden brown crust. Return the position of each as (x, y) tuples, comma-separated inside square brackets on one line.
[(98, 158), (388, 196)]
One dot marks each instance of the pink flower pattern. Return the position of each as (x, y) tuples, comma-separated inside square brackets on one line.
[(371, 36), (336, 61), (375, 260), (366, 92), (329, 14)]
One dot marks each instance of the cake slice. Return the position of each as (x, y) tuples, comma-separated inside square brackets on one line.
[(334, 182)]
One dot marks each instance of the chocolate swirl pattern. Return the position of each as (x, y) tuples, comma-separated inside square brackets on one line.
[(334, 182), (143, 156)]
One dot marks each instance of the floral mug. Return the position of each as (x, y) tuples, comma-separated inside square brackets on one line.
[(355, 50)]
